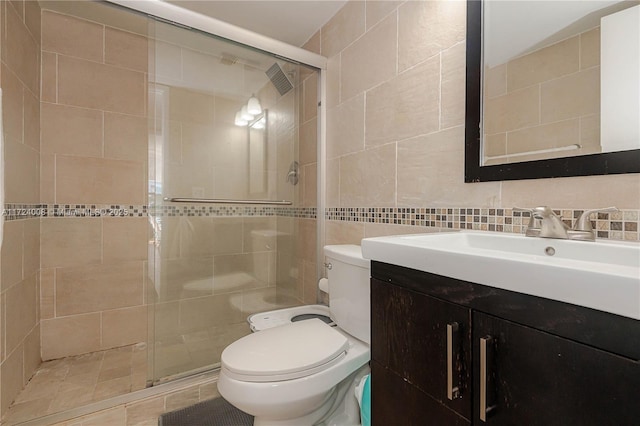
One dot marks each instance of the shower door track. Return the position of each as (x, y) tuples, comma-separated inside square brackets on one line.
[(176, 385), (226, 201), (189, 19)]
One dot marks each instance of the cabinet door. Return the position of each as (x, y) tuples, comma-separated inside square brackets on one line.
[(394, 401), (524, 376), (425, 341)]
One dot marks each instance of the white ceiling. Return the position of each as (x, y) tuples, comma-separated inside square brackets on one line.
[(292, 21)]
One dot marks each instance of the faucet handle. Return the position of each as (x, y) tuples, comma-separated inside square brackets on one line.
[(534, 225), (543, 212), (583, 223), (522, 210)]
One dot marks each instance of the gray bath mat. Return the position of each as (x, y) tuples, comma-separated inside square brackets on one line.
[(214, 412)]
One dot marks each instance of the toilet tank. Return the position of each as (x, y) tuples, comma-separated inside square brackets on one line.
[(349, 289)]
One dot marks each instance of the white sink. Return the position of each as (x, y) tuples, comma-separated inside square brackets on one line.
[(603, 275)]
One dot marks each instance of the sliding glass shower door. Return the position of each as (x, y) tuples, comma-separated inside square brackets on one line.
[(227, 127)]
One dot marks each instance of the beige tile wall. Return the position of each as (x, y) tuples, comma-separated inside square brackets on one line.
[(546, 99), (93, 151), (20, 253), (94, 122), (395, 133)]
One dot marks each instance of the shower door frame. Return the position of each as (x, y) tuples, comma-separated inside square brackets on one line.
[(193, 20)]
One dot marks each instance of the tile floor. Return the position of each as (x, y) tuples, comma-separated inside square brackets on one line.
[(72, 382), (145, 412)]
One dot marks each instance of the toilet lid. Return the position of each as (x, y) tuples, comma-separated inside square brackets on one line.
[(285, 352)]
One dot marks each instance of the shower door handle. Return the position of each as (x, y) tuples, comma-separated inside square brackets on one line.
[(226, 201)]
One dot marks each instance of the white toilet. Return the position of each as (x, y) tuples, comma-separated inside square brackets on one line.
[(304, 373)]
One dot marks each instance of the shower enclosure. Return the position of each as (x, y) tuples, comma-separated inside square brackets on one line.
[(231, 185), (175, 193)]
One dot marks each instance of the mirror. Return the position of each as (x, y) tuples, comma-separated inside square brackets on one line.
[(534, 104)]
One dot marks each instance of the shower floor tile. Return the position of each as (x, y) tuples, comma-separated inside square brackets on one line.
[(72, 382)]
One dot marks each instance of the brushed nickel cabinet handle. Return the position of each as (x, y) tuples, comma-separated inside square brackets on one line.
[(486, 345), (453, 392)]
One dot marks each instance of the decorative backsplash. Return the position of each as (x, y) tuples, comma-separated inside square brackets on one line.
[(622, 225), (28, 211), (233, 210)]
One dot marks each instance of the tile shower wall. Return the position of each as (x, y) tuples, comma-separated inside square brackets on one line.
[(395, 131), (94, 153), (20, 281), (94, 139)]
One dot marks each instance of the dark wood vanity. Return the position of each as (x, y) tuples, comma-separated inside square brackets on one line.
[(450, 352)]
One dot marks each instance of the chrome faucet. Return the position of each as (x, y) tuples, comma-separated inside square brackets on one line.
[(551, 225), (545, 223)]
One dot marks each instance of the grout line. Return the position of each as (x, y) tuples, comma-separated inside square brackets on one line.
[(104, 44), (55, 293), (57, 75), (103, 141)]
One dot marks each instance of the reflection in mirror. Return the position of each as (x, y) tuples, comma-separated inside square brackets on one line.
[(552, 88), (258, 155), (542, 79)]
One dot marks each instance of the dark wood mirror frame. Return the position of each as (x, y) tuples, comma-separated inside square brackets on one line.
[(585, 165)]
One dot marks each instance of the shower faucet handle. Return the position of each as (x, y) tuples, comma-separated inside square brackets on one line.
[(294, 173)]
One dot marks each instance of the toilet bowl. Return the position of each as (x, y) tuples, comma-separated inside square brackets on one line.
[(304, 373)]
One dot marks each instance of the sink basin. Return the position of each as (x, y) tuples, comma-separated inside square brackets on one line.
[(603, 275)]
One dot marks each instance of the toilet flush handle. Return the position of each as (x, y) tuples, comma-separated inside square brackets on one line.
[(328, 265)]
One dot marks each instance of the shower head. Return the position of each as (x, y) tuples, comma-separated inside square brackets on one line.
[(279, 79)]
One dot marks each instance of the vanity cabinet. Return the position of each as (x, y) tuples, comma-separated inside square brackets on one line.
[(518, 359)]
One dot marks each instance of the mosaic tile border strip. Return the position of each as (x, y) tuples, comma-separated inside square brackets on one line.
[(622, 225), (198, 210), (30, 211)]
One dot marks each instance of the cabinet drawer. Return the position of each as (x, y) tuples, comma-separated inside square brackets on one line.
[(410, 338)]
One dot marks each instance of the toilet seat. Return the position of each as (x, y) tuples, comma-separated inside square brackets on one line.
[(269, 319), (285, 352)]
